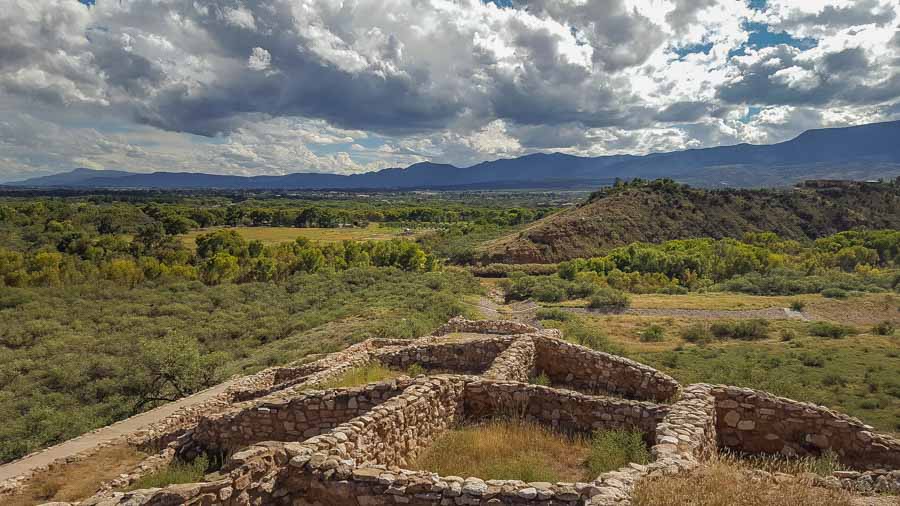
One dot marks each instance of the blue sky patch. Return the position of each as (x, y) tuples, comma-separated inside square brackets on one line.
[(694, 48)]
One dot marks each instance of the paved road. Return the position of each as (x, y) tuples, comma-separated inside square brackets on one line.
[(108, 433)]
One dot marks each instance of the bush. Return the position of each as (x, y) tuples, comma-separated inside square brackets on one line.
[(697, 333), (832, 379), (834, 293), (746, 330), (811, 360), (798, 305), (653, 334), (541, 379), (830, 330), (552, 313), (177, 472), (788, 335), (884, 328), (612, 449), (609, 298)]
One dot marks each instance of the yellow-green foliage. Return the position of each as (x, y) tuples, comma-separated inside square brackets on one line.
[(175, 473)]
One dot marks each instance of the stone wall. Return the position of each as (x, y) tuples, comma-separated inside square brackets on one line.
[(573, 366), (564, 410), (503, 327), (291, 418), (758, 422), (468, 356), (516, 363)]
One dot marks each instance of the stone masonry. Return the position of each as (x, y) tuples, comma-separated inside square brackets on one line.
[(294, 444)]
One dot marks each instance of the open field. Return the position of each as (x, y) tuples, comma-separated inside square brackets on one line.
[(859, 309), (856, 374), (274, 235)]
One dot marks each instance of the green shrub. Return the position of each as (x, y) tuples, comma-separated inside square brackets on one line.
[(612, 449), (746, 330), (415, 370), (884, 328), (788, 334), (830, 330), (834, 293), (697, 333), (653, 334), (674, 290), (175, 473), (552, 313), (798, 305), (811, 360), (833, 379), (541, 379), (609, 298)]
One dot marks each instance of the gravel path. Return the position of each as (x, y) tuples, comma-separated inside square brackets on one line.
[(111, 432), (772, 313)]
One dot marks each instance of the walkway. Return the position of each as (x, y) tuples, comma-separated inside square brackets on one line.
[(117, 430)]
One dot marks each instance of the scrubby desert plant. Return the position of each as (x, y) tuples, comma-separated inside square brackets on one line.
[(747, 330), (653, 334), (609, 299), (830, 330)]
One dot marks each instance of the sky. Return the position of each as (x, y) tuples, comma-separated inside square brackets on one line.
[(249, 87)]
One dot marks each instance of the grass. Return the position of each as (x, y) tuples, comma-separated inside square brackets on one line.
[(822, 465), (613, 449), (508, 450), (505, 449), (77, 481), (724, 482), (358, 376), (274, 235), (175, 473), (855, 375)]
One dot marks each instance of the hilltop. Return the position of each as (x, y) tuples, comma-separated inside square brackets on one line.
[(663, 210)]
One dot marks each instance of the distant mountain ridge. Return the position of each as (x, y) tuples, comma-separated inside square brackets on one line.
[(860, 152)]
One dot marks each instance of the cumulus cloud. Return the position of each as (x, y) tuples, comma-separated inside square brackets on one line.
[(274, 86)]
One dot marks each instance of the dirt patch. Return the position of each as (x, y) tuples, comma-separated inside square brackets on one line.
[(74, 482)]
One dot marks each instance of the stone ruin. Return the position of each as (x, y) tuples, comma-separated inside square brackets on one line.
[(292, 444)]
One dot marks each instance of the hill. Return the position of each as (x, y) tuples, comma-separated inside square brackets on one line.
[(861, 153), (662, 210)]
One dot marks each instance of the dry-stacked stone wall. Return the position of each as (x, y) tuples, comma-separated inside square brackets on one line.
[(753, 421), (564, 410), (468, 356), (350, 446), (515, 363), (503, 327), (292, 418), (574, 366)]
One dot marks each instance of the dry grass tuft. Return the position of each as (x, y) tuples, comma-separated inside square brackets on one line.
[(508, 449), (75, 482), (726, 482)]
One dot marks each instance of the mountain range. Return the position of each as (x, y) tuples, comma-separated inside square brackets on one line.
[(862, 152)]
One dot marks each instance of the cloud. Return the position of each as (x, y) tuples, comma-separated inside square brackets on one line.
[(273, 86)]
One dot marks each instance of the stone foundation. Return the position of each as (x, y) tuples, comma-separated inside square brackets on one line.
[(752, 421), (299, 446), (572, 366)]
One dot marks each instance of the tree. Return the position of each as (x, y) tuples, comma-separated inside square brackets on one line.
[(221, 268), (229, 241), (173, 367)]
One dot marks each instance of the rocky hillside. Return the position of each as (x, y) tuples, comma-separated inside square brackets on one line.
[(662, 210)]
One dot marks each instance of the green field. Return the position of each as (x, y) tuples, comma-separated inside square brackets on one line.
[(274, 235), (855, 374)]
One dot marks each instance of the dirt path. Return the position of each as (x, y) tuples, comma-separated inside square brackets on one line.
[(102, 435), (772, 313)]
